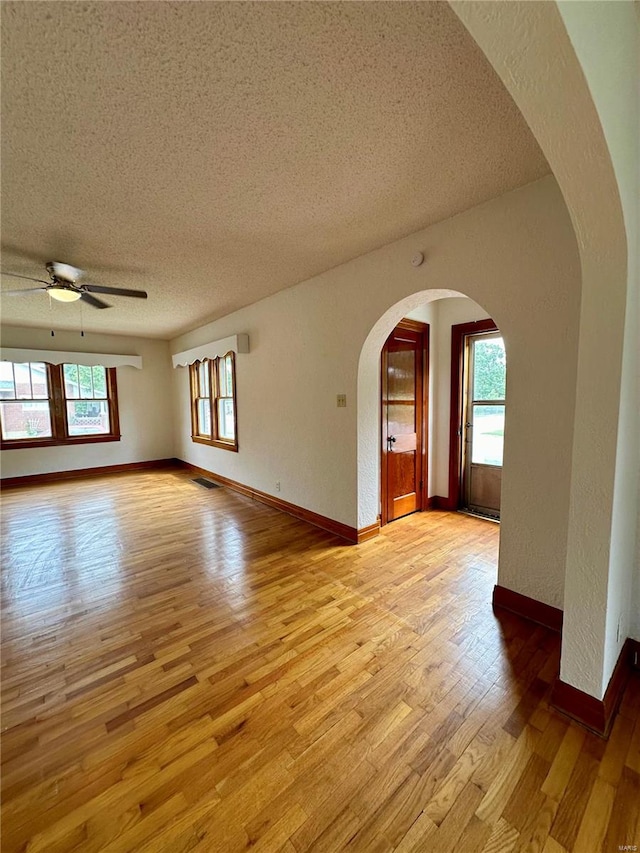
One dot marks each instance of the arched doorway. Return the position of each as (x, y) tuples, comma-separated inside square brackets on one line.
[(509, 256), (441, 313)]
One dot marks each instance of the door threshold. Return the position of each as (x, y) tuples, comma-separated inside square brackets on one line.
[(479, 515)]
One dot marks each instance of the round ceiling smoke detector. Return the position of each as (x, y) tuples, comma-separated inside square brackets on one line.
[(417, 259)]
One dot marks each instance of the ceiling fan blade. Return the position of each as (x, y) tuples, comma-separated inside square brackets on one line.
[(28, 278), (92, 300), (115, 291), (24, 290)]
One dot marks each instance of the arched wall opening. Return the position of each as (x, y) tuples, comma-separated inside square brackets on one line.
[(420, 306), (517, 258), (369, 399)]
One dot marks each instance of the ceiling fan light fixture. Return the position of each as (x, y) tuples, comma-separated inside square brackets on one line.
[(64, 294)]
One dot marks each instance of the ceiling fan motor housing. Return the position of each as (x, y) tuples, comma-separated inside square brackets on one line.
[(61, 272)]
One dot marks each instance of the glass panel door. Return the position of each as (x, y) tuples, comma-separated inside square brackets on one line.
[(484, 422)]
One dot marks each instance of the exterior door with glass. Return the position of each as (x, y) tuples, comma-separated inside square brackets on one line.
[(484, 419)]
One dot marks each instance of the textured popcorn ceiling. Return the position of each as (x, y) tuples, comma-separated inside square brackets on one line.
[(214, 153)]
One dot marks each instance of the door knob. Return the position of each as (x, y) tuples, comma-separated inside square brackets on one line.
[(391, 440)]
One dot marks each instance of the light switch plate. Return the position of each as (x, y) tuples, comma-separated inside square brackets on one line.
[(341, 401)]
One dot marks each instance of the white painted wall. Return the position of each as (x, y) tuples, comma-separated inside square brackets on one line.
[(607, 42), (144, 404), (516, 256)]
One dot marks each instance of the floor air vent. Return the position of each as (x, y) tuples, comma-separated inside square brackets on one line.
[(201, 481)]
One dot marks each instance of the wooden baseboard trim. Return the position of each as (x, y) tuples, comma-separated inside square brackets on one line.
[(350, 534), (596, 714), (528, 608), (366, 533), (81, 473), (446, 504)]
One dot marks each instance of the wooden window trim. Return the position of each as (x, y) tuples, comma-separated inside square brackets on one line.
[(213, 398), (58, 413)]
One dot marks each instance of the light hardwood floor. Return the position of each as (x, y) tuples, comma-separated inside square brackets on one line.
[(186, 669)]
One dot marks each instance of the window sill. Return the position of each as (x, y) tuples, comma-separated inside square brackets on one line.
[(23, 443), (223, 445)]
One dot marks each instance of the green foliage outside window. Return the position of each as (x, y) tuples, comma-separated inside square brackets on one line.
[(490, 370)]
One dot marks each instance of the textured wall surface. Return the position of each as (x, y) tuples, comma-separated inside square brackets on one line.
[(607, 41), (146, 414)]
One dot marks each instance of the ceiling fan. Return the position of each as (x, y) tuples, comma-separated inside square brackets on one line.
[(64, 288)]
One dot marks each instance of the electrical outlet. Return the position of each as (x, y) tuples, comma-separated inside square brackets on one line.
[(341, 401), (277, 485)]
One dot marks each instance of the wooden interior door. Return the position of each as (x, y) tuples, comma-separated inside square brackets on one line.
[(404, 370)]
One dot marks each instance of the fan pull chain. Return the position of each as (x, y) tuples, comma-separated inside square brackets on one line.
[(53, 334)]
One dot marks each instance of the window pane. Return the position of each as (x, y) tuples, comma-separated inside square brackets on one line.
[(7, 385), (25, 419), (87, 418), (39, 385), (204, 418), (99, 381), (489, 369), (22, 373), (86, 381), (488, 435), (228, 363), (222, 379), (71, 382), (203, 378), (402, 375), (226, 421)]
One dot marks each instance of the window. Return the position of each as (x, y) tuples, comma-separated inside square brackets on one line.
[(213, 401), (51, 404)]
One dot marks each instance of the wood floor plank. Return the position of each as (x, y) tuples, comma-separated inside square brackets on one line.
[(187, 670), (616, 751), (593, 828), (507, 778), (563, 764), (420, 836), (574, 802), (624, 826), (503, 838)]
